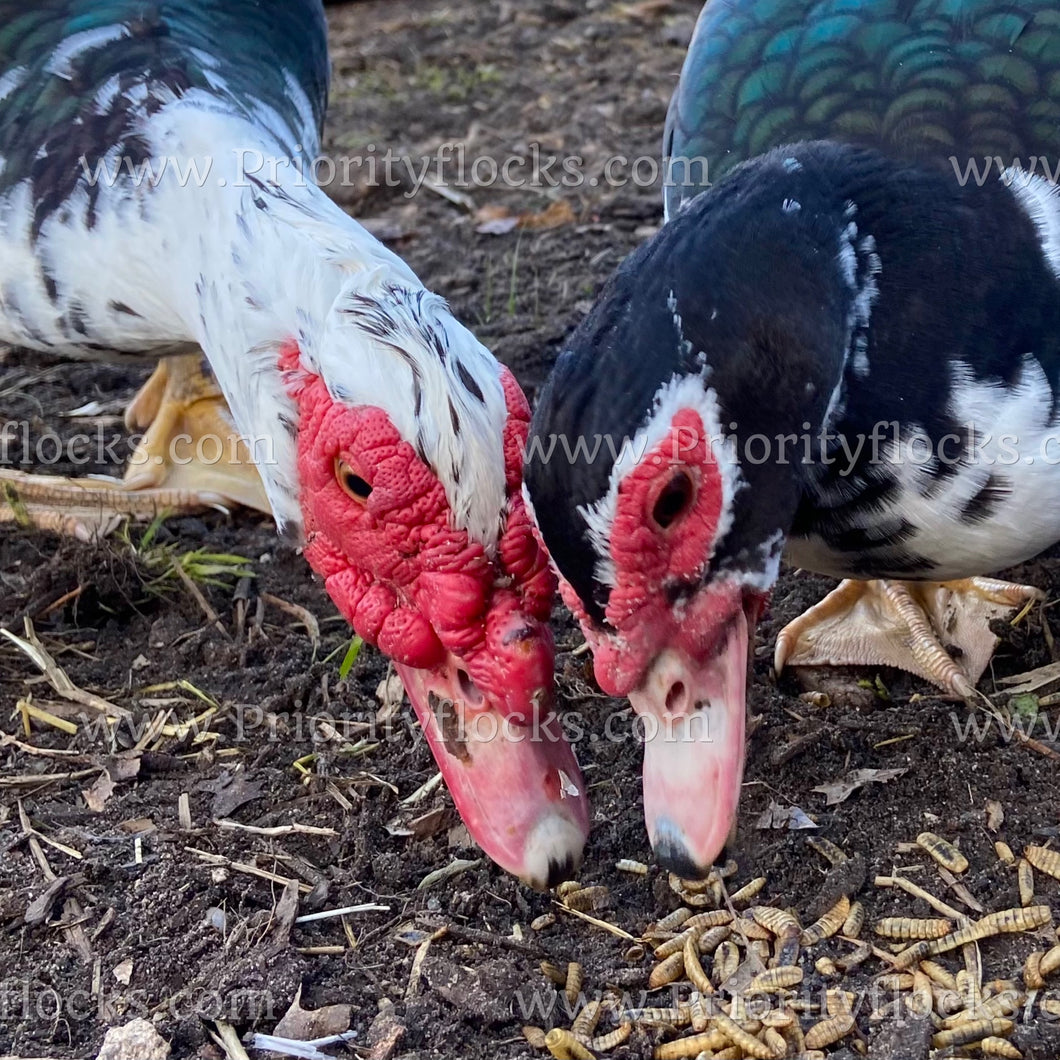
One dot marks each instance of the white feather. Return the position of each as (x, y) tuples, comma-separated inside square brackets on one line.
[(1040, 200), (240, 267)]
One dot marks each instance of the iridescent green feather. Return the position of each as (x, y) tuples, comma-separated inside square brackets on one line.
[(53, 116), (917, 78)]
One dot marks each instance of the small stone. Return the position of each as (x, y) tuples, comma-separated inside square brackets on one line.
[(137, 1040)]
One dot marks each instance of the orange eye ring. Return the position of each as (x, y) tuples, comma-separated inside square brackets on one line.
[(352, 484)]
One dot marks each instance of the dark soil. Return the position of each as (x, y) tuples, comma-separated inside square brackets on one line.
[(205, 942)]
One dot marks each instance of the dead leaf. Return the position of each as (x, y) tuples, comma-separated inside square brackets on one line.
[(123, 972), (841, 789), (37, 911), (995, 814), (283, 919), (391, 693), (423, 826), (495, 220), (559, 212), (385, 1033), (231, 792), (138, 826), (96, 796), (792, 818), (305, 1025), (123, 767)]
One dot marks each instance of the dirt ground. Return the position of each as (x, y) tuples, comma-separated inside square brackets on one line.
[(151, 918)]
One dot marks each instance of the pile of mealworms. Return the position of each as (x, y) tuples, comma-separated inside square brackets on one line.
[(735, 969)]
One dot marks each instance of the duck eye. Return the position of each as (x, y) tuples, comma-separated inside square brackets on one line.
[(673, 500), (351, 483)]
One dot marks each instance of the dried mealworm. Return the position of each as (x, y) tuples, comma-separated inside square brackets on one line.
[(673, 921), (567, 887), (713, 937), (968, 988), (668, 971), (1001, 986), (1004, 853), (535, 1036), (604, 1043), (793, 1033), (553, 972), (726, 961), (838, 1001), (825, 966), (702, 921), (661, 1017), (1000, 1005), (907, 927), (778, 1017), (543, 921), (774, 979), (1004, 922), (999, 1047), (861, 953), (827, 849), (943, 851), (1044, 860), (778, 921), (829, 1031), (751, 929), (572, 986), (585, 1022), (773, 1040), (564, 1046), (739, 1037), (826, 925), (1014, 920), (700, 1012), (637, 868), (748, 891), (971, 1031), (895, 981), (587, 899), (1025, 879), (855, 921), (674, 945), (1032, 971), (937, 974), (693, 969), (923, 999), (1050, 961), (685, 1047)]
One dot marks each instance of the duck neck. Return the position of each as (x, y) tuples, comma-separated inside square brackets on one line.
[(256, 258)]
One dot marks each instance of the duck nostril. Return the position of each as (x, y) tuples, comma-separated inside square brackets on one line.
[(677, 697), (468, 688)]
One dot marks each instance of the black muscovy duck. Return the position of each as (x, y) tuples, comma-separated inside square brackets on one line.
[(845, 351), (154, 204)]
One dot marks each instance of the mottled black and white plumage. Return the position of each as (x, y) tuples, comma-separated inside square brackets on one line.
[(847, 349), (156, 195), (828, 288)]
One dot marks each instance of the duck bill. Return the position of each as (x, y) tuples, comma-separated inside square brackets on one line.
[(516, 785), (693, 715)]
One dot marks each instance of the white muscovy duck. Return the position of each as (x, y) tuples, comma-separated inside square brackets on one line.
[(139, 217), (847, 350)]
